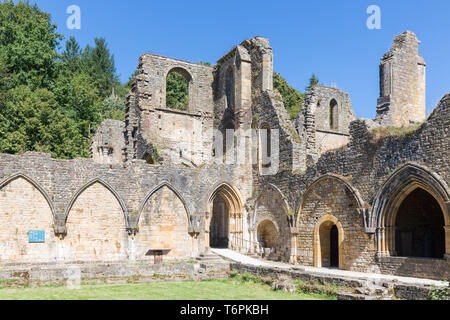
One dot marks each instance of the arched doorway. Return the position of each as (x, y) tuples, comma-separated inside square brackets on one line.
[(328, 240), (225, 219), (218, 229), (411, 212), (334, 247), (419, 226)]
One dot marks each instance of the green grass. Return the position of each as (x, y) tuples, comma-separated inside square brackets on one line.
[(228, 289)]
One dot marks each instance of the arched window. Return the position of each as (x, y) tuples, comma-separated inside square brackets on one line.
[(177, 89), (265, 141), (333, 114)]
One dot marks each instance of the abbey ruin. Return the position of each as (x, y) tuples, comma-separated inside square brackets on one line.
[(325, 190)]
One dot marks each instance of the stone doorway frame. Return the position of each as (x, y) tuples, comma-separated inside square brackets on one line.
[(317, 250), (235, 208)]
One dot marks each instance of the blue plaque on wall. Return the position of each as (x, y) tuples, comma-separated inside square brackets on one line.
[(36, 236)]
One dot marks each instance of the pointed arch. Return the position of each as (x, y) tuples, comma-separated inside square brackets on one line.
[(404, 180), (400, 184), (16, 176), (286, 207), (359, 200), (157, 188), (107, 186), (232, 197), (228, 232)]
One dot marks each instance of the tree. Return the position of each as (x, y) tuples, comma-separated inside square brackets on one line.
[(177, 91), (78, 99), (113, 108), (30, 121), (292, 99), (312, 82), (71, 56), (27, 44), (99, 63)]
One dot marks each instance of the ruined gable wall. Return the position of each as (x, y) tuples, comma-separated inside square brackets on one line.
[(180, 137)]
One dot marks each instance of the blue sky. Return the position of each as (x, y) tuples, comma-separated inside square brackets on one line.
[(329, 38)]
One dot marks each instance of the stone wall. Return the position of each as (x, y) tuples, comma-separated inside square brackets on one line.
[(22, 209), (108, 143), (402, 83), (89, 211), (329, 112), (161, 195)]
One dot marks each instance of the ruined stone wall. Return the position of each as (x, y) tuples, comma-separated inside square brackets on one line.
[(164, 225), (107, 146), (153, 130), (332, 113), (367, 165), (96, 228), (402, 83), (331, 197), (89, 211)]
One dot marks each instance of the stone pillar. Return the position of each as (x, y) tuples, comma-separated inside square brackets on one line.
[(447, 242), (294, 238)]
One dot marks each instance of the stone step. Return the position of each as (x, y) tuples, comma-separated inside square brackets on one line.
[(355, 296)]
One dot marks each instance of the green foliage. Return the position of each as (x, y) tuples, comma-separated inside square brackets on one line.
[(113, 107), (177, 91), (28, 44), (99, 64), (292, 99), (440, 294), (30, 121), (51, 102)]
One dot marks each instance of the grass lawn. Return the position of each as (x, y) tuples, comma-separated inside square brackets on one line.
[(229, 289)]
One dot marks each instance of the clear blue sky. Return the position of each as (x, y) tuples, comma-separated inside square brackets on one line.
[(329, 38)]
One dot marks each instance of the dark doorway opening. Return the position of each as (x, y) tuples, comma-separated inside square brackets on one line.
[(419, 227), (218, 229), (334, 247)]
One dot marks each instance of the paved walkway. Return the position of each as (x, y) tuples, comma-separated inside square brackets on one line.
[(244, 259)]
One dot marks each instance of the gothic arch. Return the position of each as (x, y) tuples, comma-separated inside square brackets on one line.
[(231, 196), (286, 207), (157, 188), (234, 210), (359, 200), (34, 184), (395, 190), (107, 186)]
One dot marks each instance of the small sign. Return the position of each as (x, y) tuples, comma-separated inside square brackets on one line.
[(36, 236)]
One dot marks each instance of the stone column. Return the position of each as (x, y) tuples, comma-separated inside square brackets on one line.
[(294, 238), (447, 242)]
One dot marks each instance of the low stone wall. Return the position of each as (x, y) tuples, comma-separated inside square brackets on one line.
[(437, 269), (352, 288), (51, 274)]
